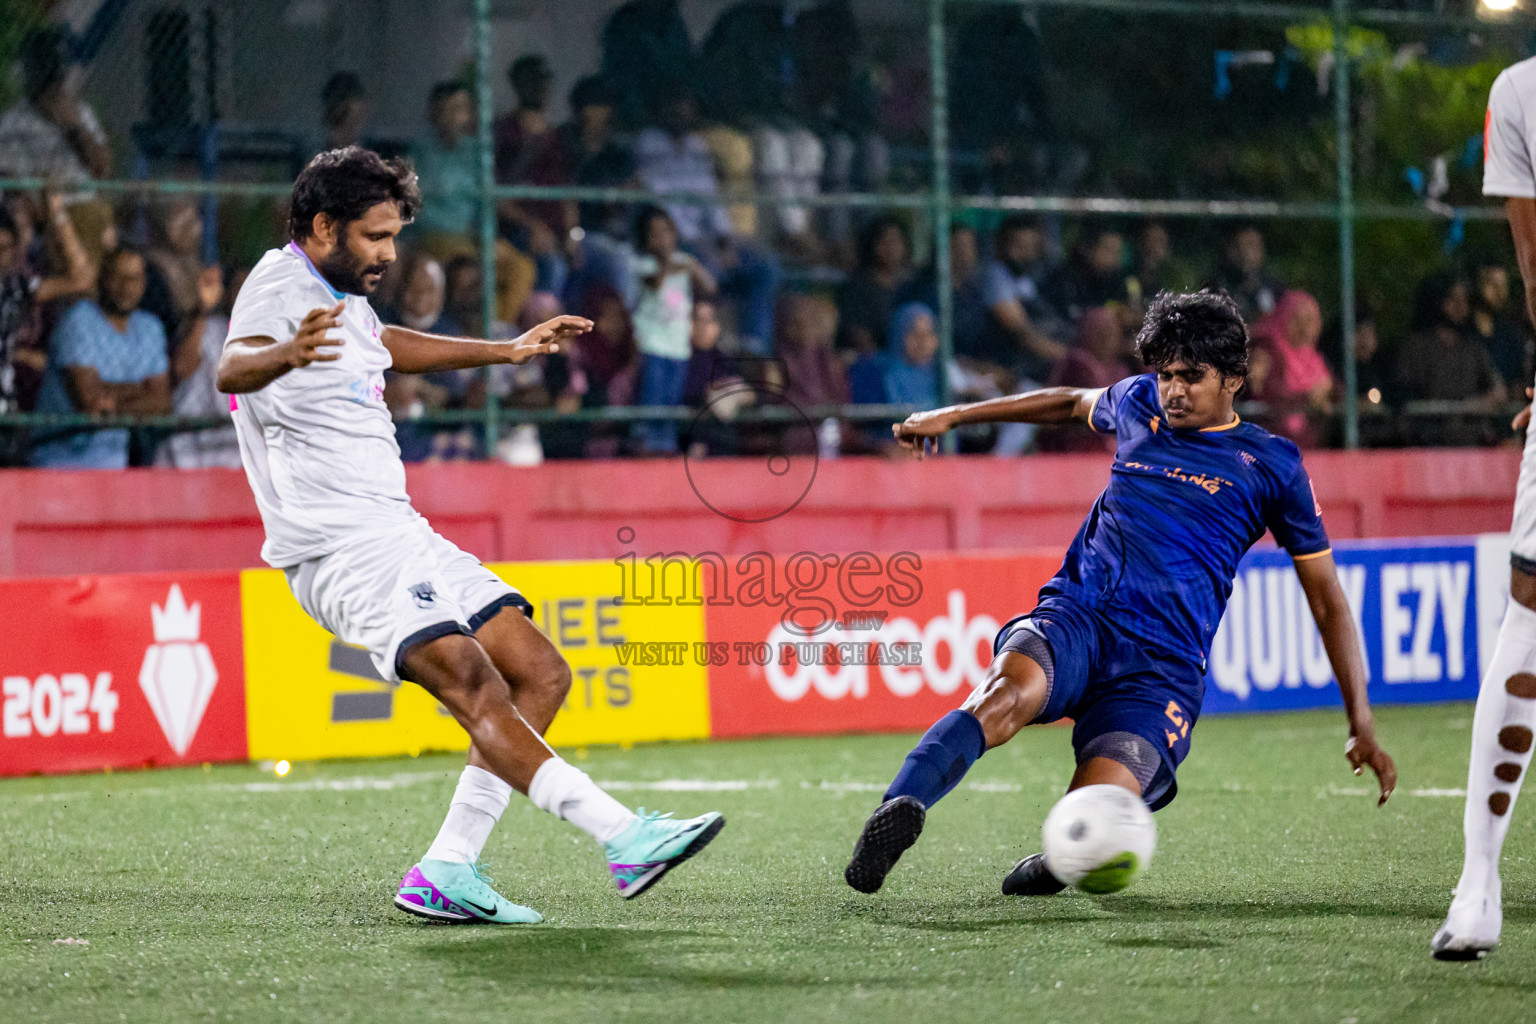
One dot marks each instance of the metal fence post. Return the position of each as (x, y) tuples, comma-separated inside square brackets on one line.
[(937, 58), (483, 143), (1345, 142)]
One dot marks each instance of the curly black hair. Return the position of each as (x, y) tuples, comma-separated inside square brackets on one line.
[(1200, 328), (347, 183)]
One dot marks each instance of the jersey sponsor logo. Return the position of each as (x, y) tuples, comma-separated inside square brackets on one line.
[(423, 594), (1209, 484), (178, 674), (1248, 459), (367, 390)]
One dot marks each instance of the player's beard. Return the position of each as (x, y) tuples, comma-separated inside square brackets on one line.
[(346, 272)]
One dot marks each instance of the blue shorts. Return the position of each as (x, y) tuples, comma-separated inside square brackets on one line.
[(1107, 682)]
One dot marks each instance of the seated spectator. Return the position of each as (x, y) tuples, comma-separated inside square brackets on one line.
[(1244, 274), (1502, 328), (713, 384), (675, 157), (1020, 323), (910, 375), (1155, 270), (663, 321), (23, 290), (968, 303), (1373, 383), (344, 111), (175, 260), (448, 223), (1299, 385), (194, 363), (530, 151), (813, 375), (865, 300), (422, 298), (1094, 274), (1101, 355), (1444, 359), (605, 367), (107, 356), (51, 132), (599, 161)]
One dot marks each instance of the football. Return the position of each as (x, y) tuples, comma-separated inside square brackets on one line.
[(1099, 838)]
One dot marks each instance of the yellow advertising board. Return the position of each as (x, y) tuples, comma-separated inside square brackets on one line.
[(309, 697)]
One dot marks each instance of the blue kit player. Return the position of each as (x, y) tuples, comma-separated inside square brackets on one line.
[(1119, 639)]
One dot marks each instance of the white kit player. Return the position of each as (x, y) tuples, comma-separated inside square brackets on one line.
[(305, 363), (1506, 701)]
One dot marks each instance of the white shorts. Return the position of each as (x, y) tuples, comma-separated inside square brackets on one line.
[(1522, 531), (389, 591)]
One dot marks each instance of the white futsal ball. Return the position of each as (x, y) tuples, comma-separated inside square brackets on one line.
[(1099, 838)]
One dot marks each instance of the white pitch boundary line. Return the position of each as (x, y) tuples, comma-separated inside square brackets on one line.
[(402, 780)]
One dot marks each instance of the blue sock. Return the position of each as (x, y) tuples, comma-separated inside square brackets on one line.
[(940, 759)]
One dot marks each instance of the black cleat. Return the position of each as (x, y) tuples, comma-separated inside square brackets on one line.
[(1030, 877), (893, 827)]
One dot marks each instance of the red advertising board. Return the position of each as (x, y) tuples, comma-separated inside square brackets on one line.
[(868, 643), (121, 671)]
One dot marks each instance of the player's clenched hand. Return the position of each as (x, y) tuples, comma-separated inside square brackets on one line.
[(311, 345), (1523, 417), (546, 338), (913, 432), (1363, 753)]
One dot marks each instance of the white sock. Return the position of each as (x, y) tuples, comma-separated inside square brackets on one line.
[(567, 792), (1501, 750), (477, 805)]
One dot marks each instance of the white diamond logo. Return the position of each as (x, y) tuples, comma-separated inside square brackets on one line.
[(178, 675)]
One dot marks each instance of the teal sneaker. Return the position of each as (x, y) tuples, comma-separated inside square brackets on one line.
[(455, 893), (655, 844)]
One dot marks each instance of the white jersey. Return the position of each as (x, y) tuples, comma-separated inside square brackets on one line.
[(1509, 134), (318, 443)]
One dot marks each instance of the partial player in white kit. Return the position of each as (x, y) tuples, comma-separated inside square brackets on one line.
[(1502, 727), (304, 364)]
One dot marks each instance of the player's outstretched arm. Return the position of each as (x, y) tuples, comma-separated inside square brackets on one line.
[(250, 364), (1047, 405), (1330, 608), (415, 352)]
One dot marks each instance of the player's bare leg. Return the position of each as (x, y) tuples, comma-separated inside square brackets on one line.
[(1502, 735), (1011, 697)]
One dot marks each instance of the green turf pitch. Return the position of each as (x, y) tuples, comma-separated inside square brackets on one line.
[(1278, 893)]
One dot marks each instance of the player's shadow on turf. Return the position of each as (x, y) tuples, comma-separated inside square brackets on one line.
[(620, 959)]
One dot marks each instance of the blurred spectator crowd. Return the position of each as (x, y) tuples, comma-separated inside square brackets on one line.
[(705, 304)]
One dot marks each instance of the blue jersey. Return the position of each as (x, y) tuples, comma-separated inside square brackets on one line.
[(1157, 554)]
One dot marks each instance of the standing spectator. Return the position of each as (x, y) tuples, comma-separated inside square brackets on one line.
[(866, 298), (1094, 274), (663, 322), (530, 151), (675, 157), (1244, 274), (645, 43), (450, 174), (107, 356), (51, 132), (1019, 321), (1299, 385), (599, 161), (1444, 359), (194, 362), (23, 289), (1506, 337)]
